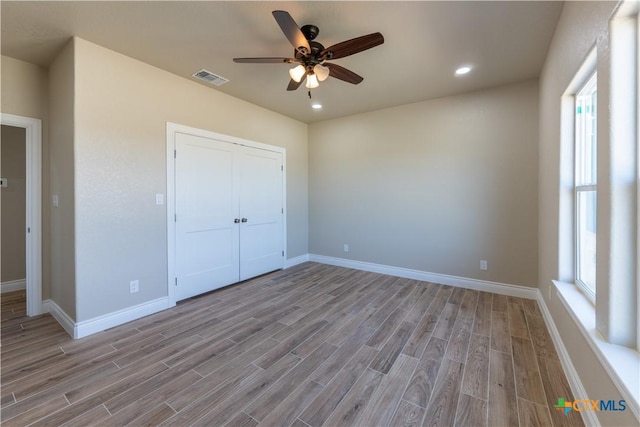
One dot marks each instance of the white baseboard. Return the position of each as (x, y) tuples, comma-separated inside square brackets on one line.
[(295, 261), (589, 417), (101, 323), (425, 276), (13, 285), (67, 323)]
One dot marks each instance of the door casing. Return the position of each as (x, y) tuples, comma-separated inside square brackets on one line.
[(33, 234)]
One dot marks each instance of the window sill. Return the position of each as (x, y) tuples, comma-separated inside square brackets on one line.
[(622, 364)]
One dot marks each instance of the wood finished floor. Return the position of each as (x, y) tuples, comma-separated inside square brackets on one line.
[(307, 346)]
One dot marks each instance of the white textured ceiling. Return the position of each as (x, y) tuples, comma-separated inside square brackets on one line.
[(505, 42)]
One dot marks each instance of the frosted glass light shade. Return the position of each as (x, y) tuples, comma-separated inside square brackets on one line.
[(321, 72), (312, 81), (297, 73)]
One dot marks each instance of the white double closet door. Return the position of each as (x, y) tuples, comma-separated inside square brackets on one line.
[(229, 213)]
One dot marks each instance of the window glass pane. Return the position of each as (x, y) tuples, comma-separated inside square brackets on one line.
[(585, 185), (586, 239), (586, 132)]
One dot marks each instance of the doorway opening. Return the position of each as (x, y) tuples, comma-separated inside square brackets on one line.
[(32, 230)]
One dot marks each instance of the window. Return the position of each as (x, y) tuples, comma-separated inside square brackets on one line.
[(585, 186), (609, 322)]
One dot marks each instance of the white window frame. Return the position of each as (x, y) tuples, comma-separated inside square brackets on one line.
[(589, 86)]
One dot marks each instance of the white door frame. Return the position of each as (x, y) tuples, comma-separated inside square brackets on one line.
[(33, 233), (172, 130)]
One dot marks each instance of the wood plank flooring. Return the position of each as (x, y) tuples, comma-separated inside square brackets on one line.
[(308, 346)]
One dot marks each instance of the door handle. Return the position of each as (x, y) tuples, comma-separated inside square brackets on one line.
[(237, 220), (244, 219)]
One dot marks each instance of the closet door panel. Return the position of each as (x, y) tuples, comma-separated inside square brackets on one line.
[(207, 239), (261, 205)]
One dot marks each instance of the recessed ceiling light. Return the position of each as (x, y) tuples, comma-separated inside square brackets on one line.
[(316, 106), (462, 70)]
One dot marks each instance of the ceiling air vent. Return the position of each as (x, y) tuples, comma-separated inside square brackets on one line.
[(209, 77)]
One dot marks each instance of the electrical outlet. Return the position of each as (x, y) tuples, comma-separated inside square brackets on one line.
[(134, 286), (483, 264), (346, 248)]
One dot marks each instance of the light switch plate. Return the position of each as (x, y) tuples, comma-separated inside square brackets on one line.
[(159, 199)]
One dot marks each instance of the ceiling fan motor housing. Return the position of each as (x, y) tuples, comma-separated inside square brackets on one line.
[(310, 31), (316, 48)]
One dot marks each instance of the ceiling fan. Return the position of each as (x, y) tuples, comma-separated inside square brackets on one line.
[(311, 56)]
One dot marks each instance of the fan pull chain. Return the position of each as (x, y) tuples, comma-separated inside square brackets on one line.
[(309, 92)]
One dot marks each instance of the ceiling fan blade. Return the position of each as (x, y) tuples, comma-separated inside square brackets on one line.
[(292, 31), (293, 85), (341, 73), (265, 60), (352, 46)]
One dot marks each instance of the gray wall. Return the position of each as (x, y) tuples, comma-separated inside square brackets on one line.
[(61, 135), (434, 186), (25, 93), (121, 109), (13, 142)]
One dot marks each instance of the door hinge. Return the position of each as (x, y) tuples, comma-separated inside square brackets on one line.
[(28, 229), (282, 253), (176, 281), (175, 217), (282, 210), (282, 168), (175, 154)]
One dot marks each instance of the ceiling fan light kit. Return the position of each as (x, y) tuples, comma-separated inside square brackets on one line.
[(311, 56), (312, 82), (297, 73), (321, 71)]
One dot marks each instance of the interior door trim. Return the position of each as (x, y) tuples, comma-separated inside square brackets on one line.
[(33, 234), (172, 130)]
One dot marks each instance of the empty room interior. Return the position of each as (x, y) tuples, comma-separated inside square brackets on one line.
[(305, 213)]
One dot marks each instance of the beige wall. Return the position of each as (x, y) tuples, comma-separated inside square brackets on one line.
[(582, 26), (61, 137), (434, 186), (25, 93), (13, 168), (121, 109)]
